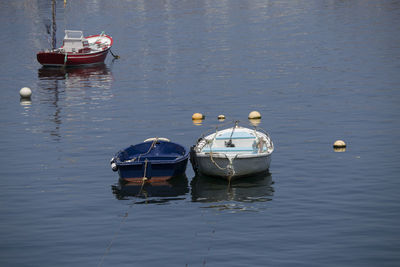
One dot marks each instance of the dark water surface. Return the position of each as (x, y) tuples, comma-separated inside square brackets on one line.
[(316, 70)]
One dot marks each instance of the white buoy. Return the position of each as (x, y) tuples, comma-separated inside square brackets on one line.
[(221, 117), (254, 115), (25, 92)]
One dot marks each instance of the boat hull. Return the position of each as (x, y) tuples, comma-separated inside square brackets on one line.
[(155, 161), (73, 59), (243, 165), (154, 171), (232, 153)]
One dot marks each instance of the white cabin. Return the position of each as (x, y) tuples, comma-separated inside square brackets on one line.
[(74, 41)]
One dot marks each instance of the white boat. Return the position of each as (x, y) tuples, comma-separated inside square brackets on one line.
[(232, 153)]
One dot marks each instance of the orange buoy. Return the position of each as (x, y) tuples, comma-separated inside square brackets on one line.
[(197, 116)]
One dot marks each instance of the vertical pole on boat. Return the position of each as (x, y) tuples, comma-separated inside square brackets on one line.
[(54, 27)]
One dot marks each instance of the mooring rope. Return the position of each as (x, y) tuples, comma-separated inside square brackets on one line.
[(101, 35), (229, 183), (115, 56), (215, 163), (148, 151), (229, 166), (211, 153), (112, 239), (144, 180)]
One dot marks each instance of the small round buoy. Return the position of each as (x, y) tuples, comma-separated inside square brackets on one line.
[(339, 144), (221, 117), (254, 115), (25, 92), (197, 116)]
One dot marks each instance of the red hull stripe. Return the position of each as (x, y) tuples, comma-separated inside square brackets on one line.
[(57, 59)]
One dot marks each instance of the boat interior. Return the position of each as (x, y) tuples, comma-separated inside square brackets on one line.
[(152, 151), (235, 142)]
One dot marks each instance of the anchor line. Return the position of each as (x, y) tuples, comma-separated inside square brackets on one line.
[(115, 56), (144, 179), (112, 239)]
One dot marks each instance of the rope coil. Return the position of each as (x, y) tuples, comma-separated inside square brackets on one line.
[(229, 167)]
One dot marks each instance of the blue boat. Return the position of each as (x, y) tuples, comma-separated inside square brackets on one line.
[(154, 160)]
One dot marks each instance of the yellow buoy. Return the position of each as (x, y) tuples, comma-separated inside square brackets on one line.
[(221, 117), (197, 116), (339, 146), (254, 115)]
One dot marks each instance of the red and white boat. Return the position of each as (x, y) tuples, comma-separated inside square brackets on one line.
[(77, 50)]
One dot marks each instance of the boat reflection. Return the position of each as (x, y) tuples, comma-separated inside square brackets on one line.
[(153, 192), (252, 189), (98, 75), (62, 87)]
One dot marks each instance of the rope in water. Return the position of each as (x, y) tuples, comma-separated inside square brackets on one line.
[(115, 56), (144, 179), (113, 238)]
